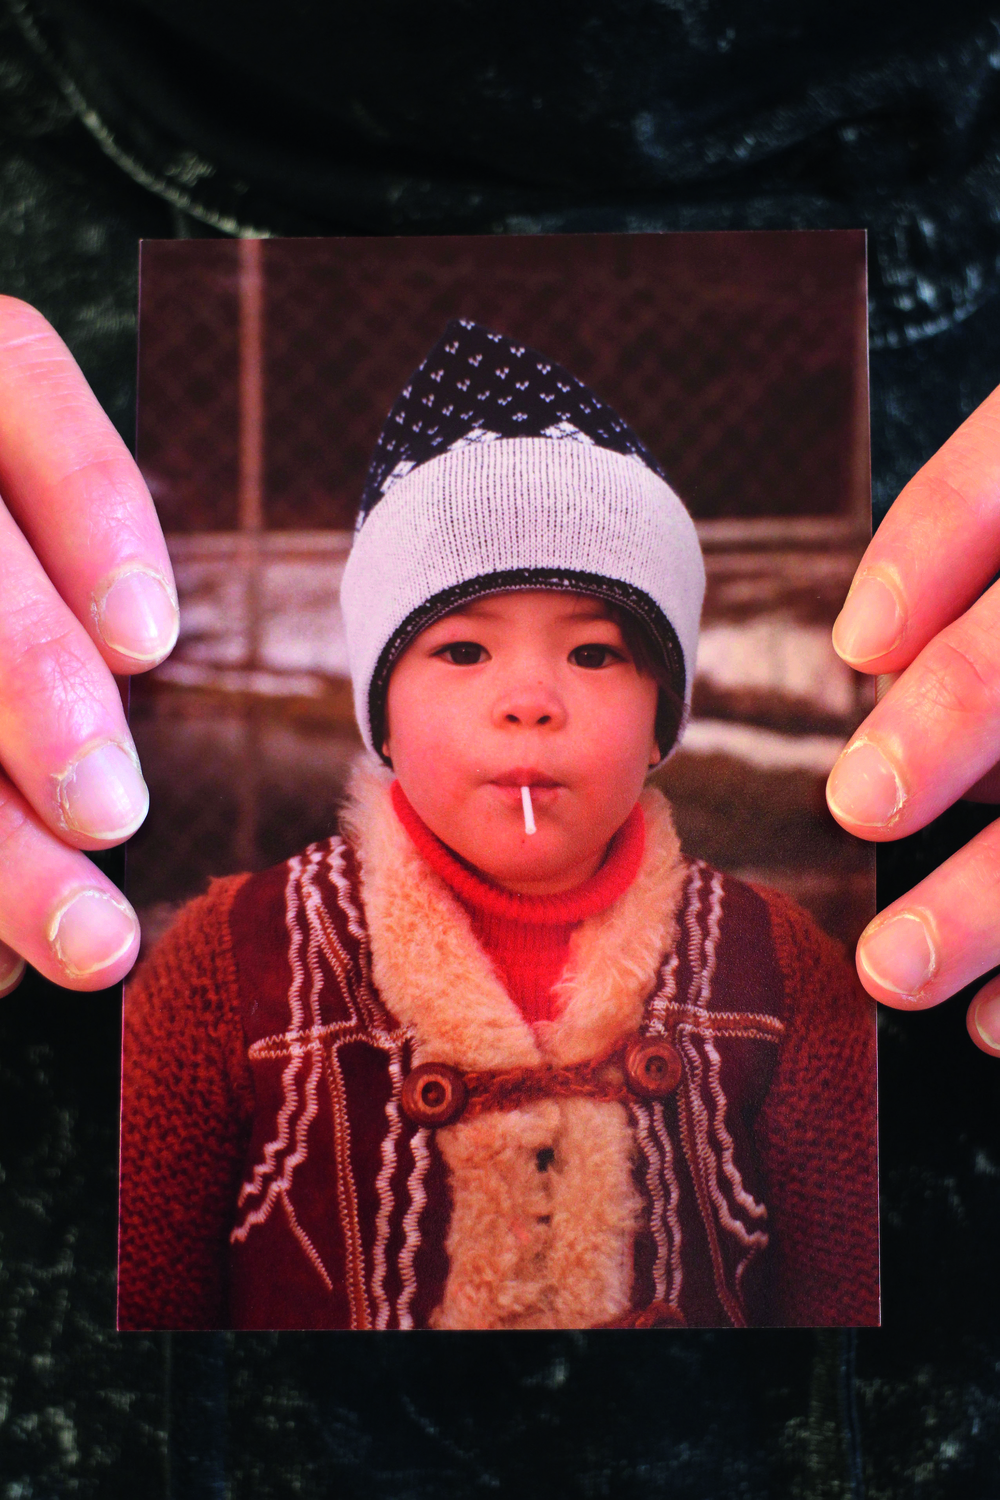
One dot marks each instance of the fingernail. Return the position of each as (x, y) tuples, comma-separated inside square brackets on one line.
[(12, 966), (870, 623), (863, 787), (898, 955), (91, 931), (987, 1021), (138, 617), (103, 795)]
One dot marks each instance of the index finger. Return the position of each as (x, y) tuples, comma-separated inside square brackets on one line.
[(934, 553), (78, 496)]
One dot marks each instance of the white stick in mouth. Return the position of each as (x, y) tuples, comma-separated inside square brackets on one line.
[(529, 811)]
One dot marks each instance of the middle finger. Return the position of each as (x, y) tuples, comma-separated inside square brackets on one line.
[(64, 741), (934, 733)]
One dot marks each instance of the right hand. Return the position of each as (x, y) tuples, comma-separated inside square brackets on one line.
[(86, 591)]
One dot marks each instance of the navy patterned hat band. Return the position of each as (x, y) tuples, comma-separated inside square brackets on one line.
[(476, 386)]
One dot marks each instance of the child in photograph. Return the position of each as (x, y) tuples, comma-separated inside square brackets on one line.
[(499, 1055)]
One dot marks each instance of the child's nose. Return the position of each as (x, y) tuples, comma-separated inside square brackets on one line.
[(533, 705)]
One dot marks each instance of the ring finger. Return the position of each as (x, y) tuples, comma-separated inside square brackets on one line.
[(68, 921), (941, 935)]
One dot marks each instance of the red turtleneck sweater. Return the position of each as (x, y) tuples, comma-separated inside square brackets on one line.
[(527, 937)]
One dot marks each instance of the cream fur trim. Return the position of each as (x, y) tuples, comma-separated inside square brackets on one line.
[(531, 1249), (615, 957), (426, 963), (527, 1248)]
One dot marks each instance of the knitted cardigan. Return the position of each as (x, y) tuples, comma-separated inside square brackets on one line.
[(271, 1179)]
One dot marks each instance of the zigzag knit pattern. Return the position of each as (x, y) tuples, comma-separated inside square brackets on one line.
[(476, 386), (189, 1105)]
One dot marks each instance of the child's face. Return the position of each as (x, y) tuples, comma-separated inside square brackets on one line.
[(534, 688)]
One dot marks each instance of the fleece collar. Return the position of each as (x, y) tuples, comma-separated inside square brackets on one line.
[(432, 974)]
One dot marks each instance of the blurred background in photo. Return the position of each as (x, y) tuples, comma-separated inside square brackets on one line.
[(266, 370)]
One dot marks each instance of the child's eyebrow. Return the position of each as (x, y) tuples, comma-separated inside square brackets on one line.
[(468, 612), (589, 617)]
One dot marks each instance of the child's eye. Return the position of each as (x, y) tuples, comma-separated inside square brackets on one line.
[(463, 653), (594, 656)]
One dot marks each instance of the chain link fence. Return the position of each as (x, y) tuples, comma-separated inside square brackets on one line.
[(738, 359)]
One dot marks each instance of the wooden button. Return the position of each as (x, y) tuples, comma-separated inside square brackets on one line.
[(652, 1067), (433, 1094)]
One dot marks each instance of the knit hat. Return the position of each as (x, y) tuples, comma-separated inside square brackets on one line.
[(497, 470)]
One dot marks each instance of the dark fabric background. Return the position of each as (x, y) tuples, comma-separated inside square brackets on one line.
[(176, 118)]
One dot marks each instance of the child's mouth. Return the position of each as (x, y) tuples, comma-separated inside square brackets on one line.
[(516, 779), (527, 792)]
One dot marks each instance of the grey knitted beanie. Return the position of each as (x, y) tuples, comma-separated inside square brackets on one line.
[(497, 470)]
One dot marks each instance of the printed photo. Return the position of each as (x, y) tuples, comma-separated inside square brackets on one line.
[(497, 967)]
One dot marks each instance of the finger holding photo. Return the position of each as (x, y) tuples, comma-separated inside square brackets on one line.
[(86, 591), (917, 610)]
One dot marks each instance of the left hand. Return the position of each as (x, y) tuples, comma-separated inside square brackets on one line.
[(917, 610)]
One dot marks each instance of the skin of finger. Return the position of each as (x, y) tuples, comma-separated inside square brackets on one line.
[(939, 544), (987, 788), (12, 970), (959, 905), (989, 992), (38, 875), (68, 478), (57, 696), (939, 723)]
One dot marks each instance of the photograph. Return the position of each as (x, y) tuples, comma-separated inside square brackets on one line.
[(497, 965)]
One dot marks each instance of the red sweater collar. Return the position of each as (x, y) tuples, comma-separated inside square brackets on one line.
[(609, 881)]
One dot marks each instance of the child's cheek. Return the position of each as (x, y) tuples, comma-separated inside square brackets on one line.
[(618, 743), (439, 756)]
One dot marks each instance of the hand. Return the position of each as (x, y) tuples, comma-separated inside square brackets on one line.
[(917, 611), (86, 591)]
